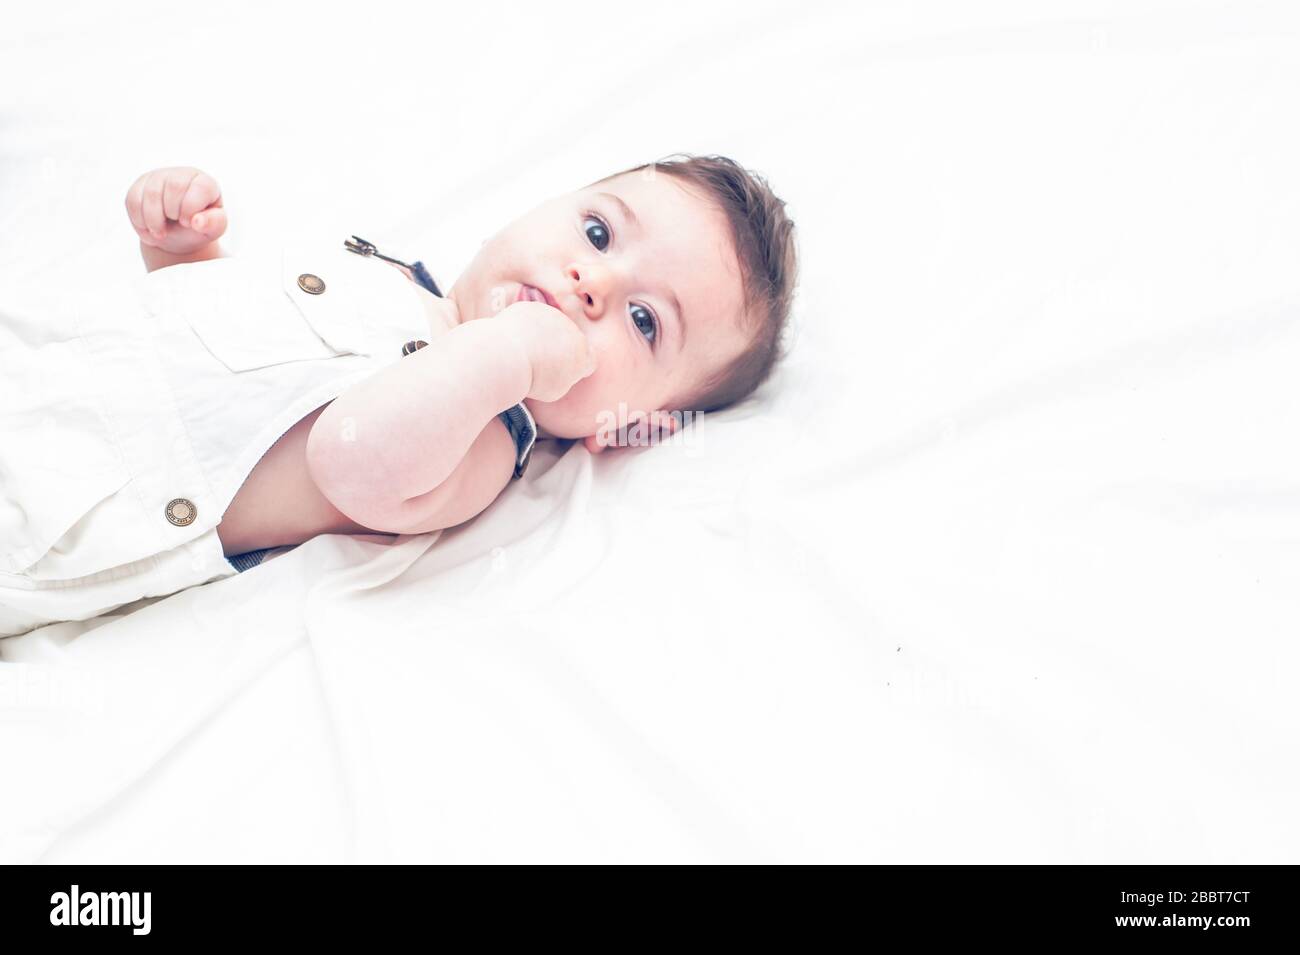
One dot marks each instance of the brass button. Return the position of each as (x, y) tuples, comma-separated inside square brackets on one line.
[(311, 284), (181, 511), (413, 346)]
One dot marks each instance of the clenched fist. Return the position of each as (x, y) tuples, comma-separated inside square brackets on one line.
[(176, 209), (557, 349)]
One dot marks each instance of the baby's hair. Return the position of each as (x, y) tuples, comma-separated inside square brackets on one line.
[(763, 238)]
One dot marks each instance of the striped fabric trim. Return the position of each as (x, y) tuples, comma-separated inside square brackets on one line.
[(249, 560), (519, 422)]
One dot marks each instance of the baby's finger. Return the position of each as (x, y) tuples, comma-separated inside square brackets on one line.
[(151, 205), (134, 197), (175, 185), (203, 191), (211, 222)]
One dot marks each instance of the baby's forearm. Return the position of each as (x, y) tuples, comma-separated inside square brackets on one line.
[(401, 432), (155, 259)]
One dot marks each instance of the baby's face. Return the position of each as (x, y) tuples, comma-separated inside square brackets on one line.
[(644, 266)]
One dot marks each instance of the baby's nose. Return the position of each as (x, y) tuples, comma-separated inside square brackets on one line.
[(590, 287)]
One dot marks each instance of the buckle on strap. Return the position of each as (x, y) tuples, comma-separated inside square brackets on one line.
[(360, 246), (418, 272), (364, 247)]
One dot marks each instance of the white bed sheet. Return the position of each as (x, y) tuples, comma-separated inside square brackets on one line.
[(1001, 567)]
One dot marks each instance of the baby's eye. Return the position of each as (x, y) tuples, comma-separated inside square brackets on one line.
[(597, 232), (644, 319)]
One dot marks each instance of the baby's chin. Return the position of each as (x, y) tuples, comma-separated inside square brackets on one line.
[(544, 415)]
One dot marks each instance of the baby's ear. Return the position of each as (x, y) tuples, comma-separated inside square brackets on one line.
[(665, 422), (640, 430)]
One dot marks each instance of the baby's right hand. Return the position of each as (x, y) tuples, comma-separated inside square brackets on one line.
[(177, 209), (556, 348)]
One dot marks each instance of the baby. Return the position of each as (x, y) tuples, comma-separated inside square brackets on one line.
[(662, 289)]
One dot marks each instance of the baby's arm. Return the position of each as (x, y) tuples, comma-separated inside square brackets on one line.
[(418, 446), (178, 215)]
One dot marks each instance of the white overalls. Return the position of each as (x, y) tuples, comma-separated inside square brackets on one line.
[(130, 415)]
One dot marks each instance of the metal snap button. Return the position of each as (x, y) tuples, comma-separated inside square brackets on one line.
[(412, 346), (181, 511), (311, 284)]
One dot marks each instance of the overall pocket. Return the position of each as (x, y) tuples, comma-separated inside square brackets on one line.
[(256, 313)]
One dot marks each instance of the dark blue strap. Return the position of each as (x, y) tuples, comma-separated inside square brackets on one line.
[(523, 429), (248, 560), (422, 276)]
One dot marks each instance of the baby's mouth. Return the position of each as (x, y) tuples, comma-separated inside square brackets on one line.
[(531, 293)]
